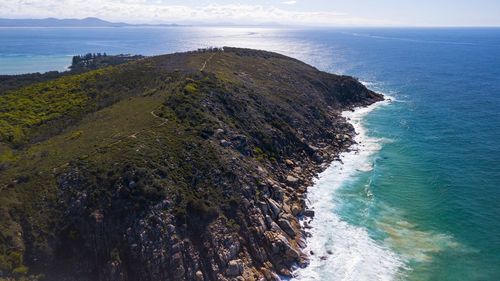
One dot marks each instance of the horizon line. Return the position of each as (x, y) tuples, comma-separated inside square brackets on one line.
[(229, 24)]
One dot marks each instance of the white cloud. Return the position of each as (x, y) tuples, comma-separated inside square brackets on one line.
[(289, 2), (144, 11)]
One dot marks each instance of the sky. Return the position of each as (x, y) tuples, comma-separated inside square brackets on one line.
[(287, 12)]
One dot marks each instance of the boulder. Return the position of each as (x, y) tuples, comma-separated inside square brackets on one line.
[(286, 272), (269, 275), (287, 227), (296, 210), (286, 208), (281, 247), (234, 268), (309, 213), (291, 180), (199, 276), (278, 193), (263, 207), (313, 148), (318, 157), (302, 242), (271, 225), (225, 143), (275, 208)]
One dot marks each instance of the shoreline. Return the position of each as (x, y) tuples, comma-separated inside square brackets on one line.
[(339, 170)]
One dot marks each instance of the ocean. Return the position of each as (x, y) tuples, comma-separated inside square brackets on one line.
[(418, 198)]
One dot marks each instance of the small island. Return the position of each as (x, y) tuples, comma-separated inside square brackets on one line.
[(187, 166)]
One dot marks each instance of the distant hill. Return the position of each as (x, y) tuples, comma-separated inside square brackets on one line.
[(53, 22)]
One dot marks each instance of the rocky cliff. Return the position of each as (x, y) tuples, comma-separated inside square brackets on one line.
[(189, 166)]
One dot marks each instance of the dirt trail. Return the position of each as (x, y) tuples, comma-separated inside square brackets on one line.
[(206, 62)]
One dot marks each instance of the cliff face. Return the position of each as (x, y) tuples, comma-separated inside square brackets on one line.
[(189, 166)]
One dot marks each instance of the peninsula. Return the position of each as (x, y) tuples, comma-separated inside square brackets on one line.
[(187, 166)]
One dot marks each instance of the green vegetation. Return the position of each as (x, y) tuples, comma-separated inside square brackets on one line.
[(95, 61), (41, 110), (191, 88), (13, 262), (34, 105)]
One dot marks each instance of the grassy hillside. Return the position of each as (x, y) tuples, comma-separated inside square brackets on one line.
[(104, 174)]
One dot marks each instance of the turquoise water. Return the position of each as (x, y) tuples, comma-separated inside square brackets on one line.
[(439, 170), (420, 199)]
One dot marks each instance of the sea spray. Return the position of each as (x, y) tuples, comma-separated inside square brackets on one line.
[(337, 249)]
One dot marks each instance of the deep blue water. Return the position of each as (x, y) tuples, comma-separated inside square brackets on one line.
[(422, 199)]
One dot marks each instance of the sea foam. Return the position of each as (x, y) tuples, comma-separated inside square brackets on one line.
[(339, 250)]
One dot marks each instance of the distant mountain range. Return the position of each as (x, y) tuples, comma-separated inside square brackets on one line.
[(53, 22)]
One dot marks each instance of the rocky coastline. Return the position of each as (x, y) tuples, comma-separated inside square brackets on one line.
[(288, 213)]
